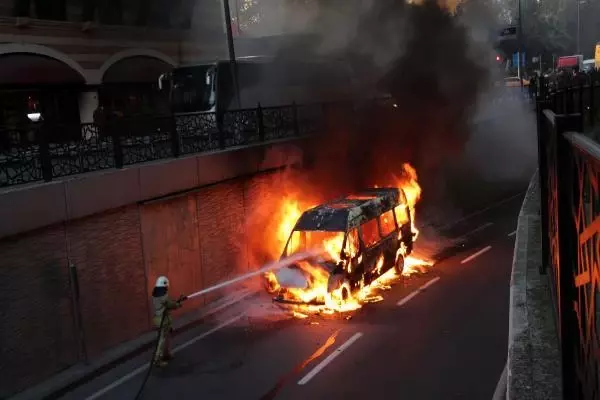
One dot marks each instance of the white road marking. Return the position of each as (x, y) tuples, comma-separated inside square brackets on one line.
[(329, 359), (500, 392), (482, 227), (431, 282), (474, 256), (144, 367), (513, 233), (406, 299)]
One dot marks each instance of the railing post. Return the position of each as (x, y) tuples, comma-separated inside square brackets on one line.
[(175, 140), (542, 136), (221, 128), (45, 159), (117, 145), (592, 110), (581, 106), (295, 117), (260, 123), (567, 248)]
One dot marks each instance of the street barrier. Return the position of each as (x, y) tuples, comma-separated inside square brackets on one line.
[(569, 165)]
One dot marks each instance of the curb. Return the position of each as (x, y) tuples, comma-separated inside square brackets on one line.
[(68, 380), (533, 362)]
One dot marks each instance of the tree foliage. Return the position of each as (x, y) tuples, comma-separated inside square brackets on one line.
[(550, 26)]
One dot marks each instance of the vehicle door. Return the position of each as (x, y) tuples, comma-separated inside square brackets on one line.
[(352, 251), (371, 246), (388, 230), (403, 221)]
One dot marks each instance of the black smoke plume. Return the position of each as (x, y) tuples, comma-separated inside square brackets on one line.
[(419, 54)]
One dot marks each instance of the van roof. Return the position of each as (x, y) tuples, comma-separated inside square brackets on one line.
[(350, 211)]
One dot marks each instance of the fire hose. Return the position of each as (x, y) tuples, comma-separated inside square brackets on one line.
[(269, 267), (160, 328)]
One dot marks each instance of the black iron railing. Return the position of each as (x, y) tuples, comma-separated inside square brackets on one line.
[(579, 96), (41, 152), (570, 206)]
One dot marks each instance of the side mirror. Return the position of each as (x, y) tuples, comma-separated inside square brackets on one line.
[(161, 79)]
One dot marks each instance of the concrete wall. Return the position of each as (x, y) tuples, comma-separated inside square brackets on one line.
[(28, 207), (119, 237)]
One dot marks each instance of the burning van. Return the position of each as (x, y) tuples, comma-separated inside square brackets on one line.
[(357, 239)]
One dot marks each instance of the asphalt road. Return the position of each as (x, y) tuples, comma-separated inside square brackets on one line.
[(445, 341)]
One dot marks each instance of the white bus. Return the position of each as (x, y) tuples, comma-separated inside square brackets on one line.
[(270, 82)]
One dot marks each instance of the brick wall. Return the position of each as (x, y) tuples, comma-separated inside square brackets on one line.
[(37, 336), (197, 240), (221, 226), (260, 200), (172, 245), (107, 251)]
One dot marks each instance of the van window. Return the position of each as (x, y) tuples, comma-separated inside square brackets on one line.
[(297, 243), (401, 214), (387, 223), (370, 232), (352, 243)]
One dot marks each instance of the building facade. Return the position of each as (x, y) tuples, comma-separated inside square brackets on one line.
[(64, 59)]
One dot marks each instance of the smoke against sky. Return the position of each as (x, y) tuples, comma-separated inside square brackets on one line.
[(424, 58), (437, 67)]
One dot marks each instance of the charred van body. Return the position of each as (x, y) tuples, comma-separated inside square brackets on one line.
[(362, 236)]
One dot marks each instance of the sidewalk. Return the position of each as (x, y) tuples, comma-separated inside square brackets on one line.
[(62, 383), (533, 366)]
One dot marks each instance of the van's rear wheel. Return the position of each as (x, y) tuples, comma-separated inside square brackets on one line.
[(399, 266)]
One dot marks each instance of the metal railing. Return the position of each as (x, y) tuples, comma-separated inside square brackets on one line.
[(35, 154), (578, 96), (569, 165)]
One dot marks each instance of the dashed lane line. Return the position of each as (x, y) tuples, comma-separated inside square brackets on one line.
[(406, 299), (319, 367), (475, 255)]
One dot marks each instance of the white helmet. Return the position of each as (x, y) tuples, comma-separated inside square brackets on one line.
[(162, 281)]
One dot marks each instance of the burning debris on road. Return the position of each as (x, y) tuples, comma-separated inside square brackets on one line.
[(364, 243)]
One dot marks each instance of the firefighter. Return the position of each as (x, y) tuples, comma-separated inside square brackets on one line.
[(162, 319)]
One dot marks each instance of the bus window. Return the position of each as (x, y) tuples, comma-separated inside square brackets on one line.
[(194, 89)]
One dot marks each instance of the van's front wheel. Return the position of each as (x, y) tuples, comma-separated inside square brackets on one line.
[(339, 289), (270, 283)]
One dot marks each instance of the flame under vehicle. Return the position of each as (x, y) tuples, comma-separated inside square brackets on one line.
[(358, 237)]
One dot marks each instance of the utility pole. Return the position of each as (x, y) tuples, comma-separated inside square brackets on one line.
[(578, 26), (519, 39), (231, 50)]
